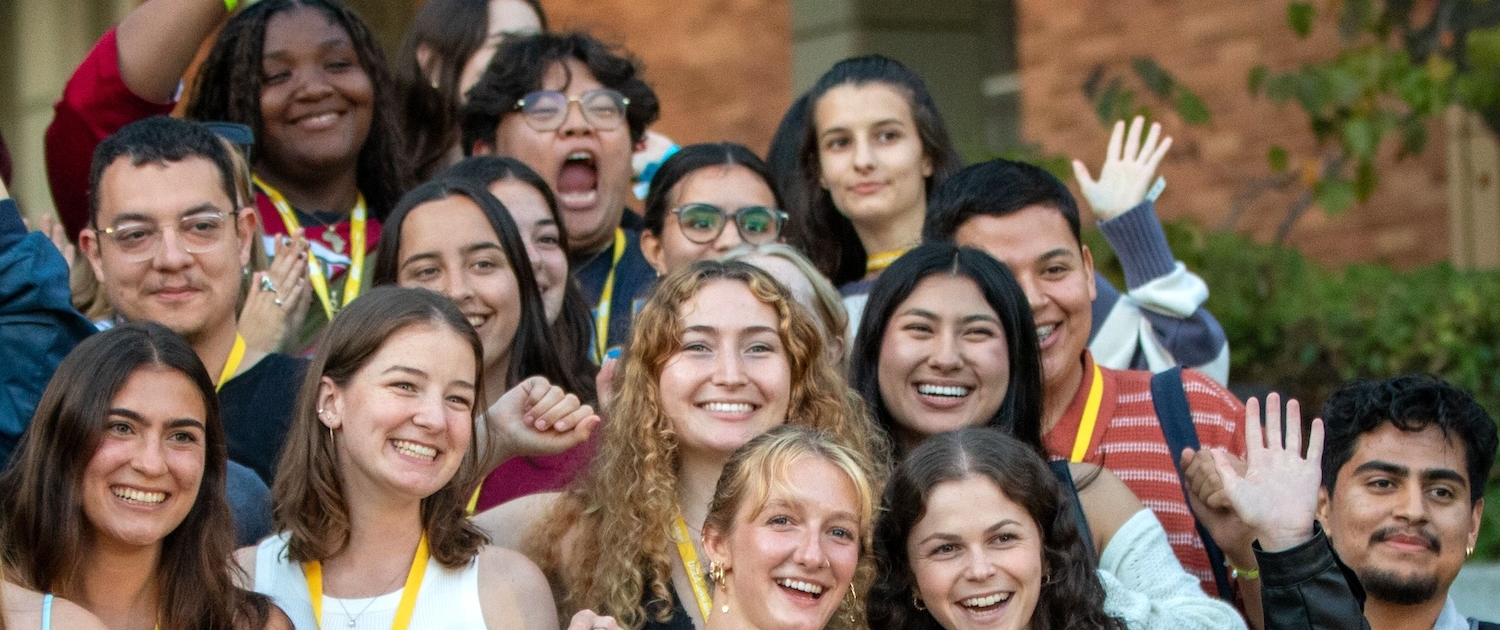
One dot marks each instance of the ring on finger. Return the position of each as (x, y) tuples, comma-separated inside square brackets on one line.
[(277, 301), (267, 285)]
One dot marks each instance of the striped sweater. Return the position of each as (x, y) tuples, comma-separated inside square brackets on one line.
[(1128, 440)]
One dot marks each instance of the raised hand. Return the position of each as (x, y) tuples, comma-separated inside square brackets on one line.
[(538, 418), (1129, 168), (278, 297), (1277, 494)]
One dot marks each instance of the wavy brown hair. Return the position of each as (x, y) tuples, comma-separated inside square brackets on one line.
[(761, 466), (308, 496), (47, 537), (1071, 596), (618, 518)]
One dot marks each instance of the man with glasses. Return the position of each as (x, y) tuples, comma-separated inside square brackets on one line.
[(574, 112), (168, 244)]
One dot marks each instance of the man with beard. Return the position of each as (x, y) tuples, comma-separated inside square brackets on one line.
[(1402, 492)]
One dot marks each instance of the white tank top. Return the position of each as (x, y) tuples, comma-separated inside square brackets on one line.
[(449, 599)]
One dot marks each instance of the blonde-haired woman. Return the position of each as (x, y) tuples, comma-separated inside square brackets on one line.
[(809, 288), (789, 533), (718, 355)]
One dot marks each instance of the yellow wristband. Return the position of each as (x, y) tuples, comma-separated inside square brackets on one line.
[(1242, 574), (231, 4)]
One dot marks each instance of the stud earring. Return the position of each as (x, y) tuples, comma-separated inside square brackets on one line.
[(1468, 551)]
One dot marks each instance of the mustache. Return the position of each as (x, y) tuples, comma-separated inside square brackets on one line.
[(1386, 533)]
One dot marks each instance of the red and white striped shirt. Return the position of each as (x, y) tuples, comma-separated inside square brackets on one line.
[(1129, 442)]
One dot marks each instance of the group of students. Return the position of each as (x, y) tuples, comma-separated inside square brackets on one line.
[(853, 384)]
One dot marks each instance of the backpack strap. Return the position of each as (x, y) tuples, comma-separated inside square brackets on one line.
[(1176, 418), (1064, 475)]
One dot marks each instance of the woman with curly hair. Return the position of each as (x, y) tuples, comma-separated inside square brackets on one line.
[(718, 355), (308, 78)]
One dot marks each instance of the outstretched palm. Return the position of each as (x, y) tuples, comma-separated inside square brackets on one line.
[(1278, 493), (1129, 166)]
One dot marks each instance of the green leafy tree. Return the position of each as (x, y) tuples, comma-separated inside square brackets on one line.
[(1400, 64)]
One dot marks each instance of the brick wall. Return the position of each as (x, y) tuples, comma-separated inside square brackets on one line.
[(1211, 45)]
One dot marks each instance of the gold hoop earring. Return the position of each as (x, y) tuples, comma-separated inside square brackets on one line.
[(716, 575), (916, 602)]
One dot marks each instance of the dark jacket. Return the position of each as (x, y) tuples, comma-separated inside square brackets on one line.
[(38, 326)]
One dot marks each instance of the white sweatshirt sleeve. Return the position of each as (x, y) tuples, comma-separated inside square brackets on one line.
[(1146, 586)]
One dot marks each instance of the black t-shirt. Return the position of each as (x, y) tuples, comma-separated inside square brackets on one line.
[(257, 407)]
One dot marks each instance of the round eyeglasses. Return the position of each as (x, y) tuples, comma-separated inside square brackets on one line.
[(141, 240), (702, 223), (603, 109)]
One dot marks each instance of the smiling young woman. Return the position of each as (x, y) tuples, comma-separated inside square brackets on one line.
[(378, 468), (116, 497), (788, 533), (487, 275), (719, 354)]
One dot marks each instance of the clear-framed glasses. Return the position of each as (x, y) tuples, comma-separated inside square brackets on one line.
[(702, 223), (604, 109), (141, 240)]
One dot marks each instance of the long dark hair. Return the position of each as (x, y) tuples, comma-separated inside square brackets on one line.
[(229, 86), (820, 229), (1071, 596), (1020, 413), (531, 351), (46, 537), (308, 495), (574, 326), (453, 30), (690, 159)]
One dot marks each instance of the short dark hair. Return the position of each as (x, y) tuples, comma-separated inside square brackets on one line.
[(159, 140), (1073, 597), (689, 160), (995, 188), (1411, 403), (820, 229), (520, 66), (1020, 413)]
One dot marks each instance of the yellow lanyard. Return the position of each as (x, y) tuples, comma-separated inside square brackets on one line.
[(694, 570), (315, 270), (313, 571), (601, 314), (1090, 417), (882, 260), (232, 364)]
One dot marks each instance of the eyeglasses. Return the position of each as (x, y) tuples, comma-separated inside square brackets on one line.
[(603, 109), (141, 240), (702, 223)]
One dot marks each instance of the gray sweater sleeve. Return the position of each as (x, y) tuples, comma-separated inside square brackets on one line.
[(1167, 295)]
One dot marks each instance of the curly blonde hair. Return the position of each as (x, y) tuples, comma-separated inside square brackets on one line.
[(617, 519)]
